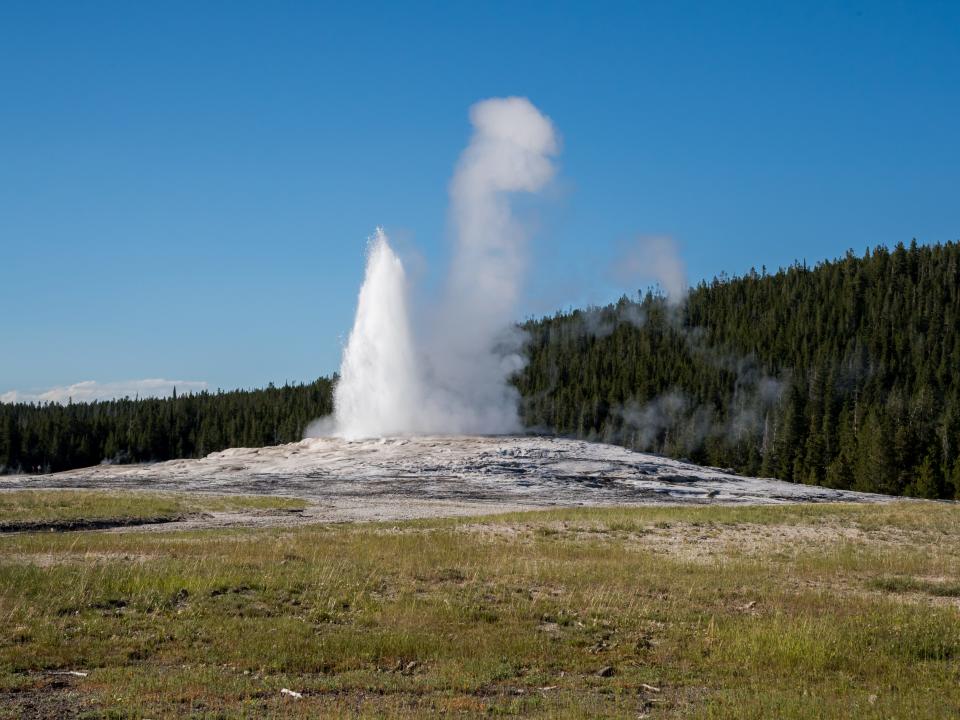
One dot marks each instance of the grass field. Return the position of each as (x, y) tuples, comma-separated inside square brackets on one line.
[(805, 611)]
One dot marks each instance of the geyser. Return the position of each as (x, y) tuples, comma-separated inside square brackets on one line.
[(379, 389), (452, 378)]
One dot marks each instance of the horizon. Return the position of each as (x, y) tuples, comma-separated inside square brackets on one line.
[(189, 192)]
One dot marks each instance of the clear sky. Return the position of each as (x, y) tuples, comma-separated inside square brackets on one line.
[(186, 188)]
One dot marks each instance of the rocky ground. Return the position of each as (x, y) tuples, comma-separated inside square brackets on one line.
[(402, 478)]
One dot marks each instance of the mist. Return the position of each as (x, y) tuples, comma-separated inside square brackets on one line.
[(657, 258), (448, 372)]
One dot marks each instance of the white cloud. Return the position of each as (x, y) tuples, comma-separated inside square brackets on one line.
[(89, 390)]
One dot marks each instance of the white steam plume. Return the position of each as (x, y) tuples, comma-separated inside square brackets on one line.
[(458, 382), (654, 258), (474, 348)]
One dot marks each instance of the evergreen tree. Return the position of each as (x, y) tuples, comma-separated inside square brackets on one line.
[(863, 352)]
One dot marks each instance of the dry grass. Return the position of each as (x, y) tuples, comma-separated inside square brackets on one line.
[(79, 509), (790, 612)]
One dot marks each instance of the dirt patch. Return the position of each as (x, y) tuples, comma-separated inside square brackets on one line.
[(692, 542), (82, 524), (710, 543), (706, 543), (49, 559), (48, 698)]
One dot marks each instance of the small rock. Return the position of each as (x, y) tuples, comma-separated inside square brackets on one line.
[(606, 671)]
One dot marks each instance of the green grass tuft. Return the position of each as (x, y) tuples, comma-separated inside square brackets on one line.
[(78, 509)]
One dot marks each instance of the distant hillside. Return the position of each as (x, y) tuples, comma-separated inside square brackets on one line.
[(846, 374), (61, 437)]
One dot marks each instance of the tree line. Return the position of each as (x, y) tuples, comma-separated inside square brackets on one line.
[(50, 437), (844, 374)]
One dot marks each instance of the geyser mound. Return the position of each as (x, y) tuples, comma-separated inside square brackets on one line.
[(378, 479)]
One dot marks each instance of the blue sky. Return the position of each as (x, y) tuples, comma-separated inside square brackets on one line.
[(186, 188)]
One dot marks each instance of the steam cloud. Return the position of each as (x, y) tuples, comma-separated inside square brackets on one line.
[(654, 258), (469, 347)]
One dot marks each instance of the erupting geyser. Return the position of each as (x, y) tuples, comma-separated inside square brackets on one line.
[(378, 389), (453, 377)]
